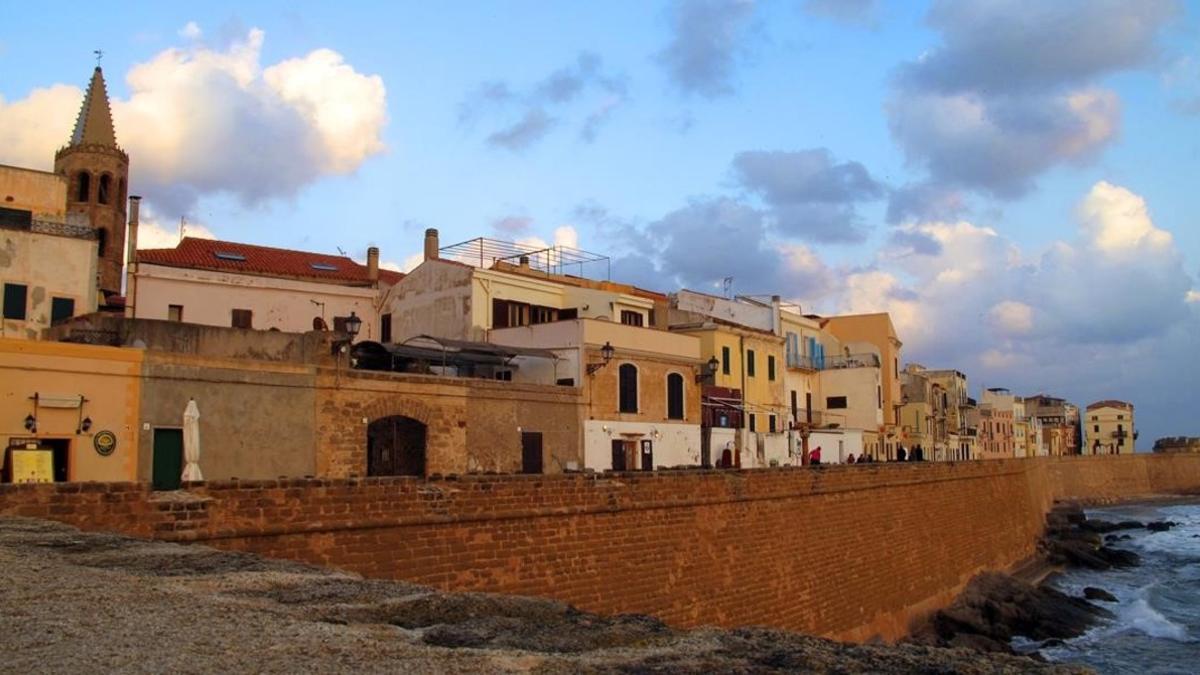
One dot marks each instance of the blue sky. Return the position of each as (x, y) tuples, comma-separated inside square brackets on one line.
[(980, 169)]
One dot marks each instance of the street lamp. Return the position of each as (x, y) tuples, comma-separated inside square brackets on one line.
[(708, 371), (606, 354), (352, 325)]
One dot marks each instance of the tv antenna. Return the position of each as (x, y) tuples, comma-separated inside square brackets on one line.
[(727, 287)]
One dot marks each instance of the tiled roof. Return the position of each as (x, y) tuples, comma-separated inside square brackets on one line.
[(94, 124), (228, 256)]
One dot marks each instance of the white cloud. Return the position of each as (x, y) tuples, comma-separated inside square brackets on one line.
[(1117, 222), (202, 121), (1192, 296), (153, 233), (191, 31), (1010, 317), (566, 236)]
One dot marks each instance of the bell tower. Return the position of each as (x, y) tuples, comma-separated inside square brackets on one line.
[(97, 172)]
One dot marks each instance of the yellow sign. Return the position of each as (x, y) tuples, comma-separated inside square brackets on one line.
[(32, 466)]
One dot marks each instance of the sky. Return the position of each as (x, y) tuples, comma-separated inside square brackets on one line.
[(1015, 182)]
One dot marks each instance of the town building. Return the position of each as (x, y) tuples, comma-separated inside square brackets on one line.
[(1177, 444), (961, 419), (640, 406), (876, 330), (1108, 428), (998, 428), (223, 283), (1058, 429), (923, 415)]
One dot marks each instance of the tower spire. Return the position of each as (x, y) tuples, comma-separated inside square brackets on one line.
[(94, 126)]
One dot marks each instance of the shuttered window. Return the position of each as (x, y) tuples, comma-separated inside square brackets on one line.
[(628, 388), (675, 396)]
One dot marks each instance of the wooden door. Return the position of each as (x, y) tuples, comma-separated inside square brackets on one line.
[(168, 458), (531, 452), (647, 455), (618, 456)]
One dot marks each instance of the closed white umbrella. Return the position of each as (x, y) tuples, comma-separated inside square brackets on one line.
[(191, 442)]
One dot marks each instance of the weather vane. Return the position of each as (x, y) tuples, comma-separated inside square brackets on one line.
[(99, 55)]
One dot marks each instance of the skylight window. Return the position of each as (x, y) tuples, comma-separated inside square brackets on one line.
[(236, 257), (324, 267)]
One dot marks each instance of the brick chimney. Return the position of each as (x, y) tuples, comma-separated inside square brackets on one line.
[(373, 264), (431, 244)]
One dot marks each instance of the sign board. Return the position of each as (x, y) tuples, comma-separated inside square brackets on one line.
[(105, 443), (32, 465)]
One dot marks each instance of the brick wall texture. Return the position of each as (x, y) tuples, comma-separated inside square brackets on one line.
[(849, 552)]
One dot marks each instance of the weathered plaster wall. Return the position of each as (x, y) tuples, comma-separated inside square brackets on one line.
[(23, 257)]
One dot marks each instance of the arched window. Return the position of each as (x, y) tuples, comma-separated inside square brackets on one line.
[(102, 238), (628, 388), (102, 195), (83, 186), (121, 195), (674, 396)]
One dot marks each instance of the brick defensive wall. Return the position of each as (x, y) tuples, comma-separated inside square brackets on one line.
[(849, 552)]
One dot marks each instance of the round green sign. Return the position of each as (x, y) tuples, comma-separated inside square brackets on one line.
[(105, 442)]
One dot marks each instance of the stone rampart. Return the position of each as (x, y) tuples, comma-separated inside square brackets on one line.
[(844, 551)]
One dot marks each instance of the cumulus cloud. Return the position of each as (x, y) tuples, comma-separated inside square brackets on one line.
[(860, 12), (203, 121), (808, 193), (1011, 89), (923, 202), (1010, 317), (581, 89), (706, 38)]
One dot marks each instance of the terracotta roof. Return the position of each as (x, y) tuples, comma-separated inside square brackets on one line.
[(1110, 403), (228, 256)]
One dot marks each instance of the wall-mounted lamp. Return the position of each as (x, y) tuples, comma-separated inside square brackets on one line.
[(85, 425), (353, 325), (31, 424), (606, 354), (708, 371)]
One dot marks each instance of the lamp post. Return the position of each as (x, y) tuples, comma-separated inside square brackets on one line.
[(353, 324), (606, 354), (708, 371)]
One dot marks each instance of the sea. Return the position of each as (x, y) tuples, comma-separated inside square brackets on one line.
[(1157, 623)]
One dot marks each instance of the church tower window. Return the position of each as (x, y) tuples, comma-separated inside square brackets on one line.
[(83, 186), (102, 194)]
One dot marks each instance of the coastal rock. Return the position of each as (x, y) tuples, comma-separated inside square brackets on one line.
[(1093, 593), (997, 607), (1104, 526), (1160, 525), (1119, 557)]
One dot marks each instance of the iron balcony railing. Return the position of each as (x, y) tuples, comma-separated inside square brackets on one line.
[(852, 361)]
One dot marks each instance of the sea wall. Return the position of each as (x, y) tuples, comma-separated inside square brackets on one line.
[(845, 551)]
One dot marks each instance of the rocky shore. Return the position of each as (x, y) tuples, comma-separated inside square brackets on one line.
[(75, 601), (995, 607)]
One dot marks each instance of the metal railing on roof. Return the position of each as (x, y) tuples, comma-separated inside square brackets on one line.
[(483, 252)]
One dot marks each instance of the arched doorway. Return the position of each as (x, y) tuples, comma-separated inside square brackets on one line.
[(396, 447)]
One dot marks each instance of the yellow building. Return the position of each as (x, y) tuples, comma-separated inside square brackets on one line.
[(877, 329), (79, 402), (1108, 428)]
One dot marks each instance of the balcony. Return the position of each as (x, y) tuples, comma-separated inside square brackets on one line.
[(852, 361), (1121, 433)]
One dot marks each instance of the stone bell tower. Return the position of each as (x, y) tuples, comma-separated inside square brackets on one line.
[(97, 172)]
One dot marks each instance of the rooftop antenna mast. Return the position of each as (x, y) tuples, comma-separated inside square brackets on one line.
[(727, 287)]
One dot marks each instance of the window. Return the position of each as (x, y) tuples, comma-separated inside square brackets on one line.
[(509, 314), (102, 241), (631, 318), (505, 375), (725, 360), (627, 388), (105, 186), (753, 426), (385, 328), (795, 412), (60, 309), (538, 314), (879, 395), (674, 396), (1096, 428), (1120, 417), (83, 186), (896, 367), (835, 402), (771, 424), (14, 301), (243, 318), (175, 313), (771, 368), (750, 362)]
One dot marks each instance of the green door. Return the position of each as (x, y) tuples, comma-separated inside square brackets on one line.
[(168, 458)]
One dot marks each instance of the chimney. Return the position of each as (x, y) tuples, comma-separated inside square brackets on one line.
[(776, 319), (525, 262), (135, 203), (373, 264), (431, 244)]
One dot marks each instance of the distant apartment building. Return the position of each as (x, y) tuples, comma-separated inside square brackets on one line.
[(923, 414), (1108, 428), (1002, 432), (1057, 421), (961, 419)]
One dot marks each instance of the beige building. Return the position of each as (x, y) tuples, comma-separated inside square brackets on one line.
[(640, 404), (222, 283), (47, 272), (923, 414), (878, 331), (1057, 420), (1108, 428), (961, 417)]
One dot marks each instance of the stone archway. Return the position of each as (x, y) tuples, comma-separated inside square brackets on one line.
[(396, 447)]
